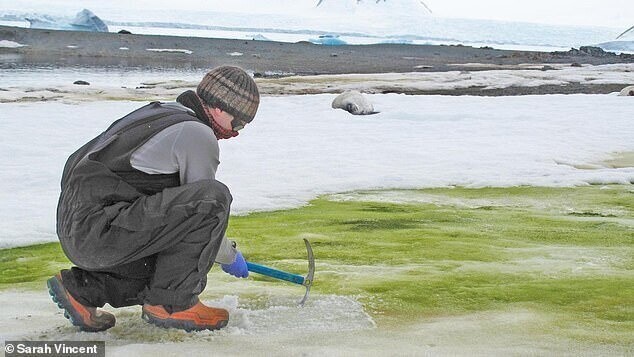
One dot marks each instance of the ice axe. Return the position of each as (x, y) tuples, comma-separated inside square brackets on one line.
[(306, 281)]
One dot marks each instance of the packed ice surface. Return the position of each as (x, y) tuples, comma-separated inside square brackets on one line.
[(277, 316), (298, 147), (334, 326)]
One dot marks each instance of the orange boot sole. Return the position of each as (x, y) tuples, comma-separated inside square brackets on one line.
[(86, 318), (197, 318)]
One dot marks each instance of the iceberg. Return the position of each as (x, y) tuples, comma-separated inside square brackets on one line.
[(328, 40), (259, 37), (85, 20), (630, 30), (623, 43), (618, 46), (398, 41)]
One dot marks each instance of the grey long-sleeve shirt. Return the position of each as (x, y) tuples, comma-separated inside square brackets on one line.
[(191, 149)]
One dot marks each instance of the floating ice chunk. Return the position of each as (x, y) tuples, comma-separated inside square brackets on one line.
[(89, 21), (398, 41), (10, 44), (259, 37), (328, 40), (85, 20), (175, 50)]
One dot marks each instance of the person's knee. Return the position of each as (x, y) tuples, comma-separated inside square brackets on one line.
[(218, 191)]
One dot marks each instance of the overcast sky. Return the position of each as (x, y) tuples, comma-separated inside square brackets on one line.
[(611, 13)]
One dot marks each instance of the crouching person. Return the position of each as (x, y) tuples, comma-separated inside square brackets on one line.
[(141, 215)]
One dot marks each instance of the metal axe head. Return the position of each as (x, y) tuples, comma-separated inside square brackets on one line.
[(308, 280)]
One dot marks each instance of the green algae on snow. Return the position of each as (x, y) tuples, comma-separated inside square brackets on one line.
[(24, 266), (413, 254), (408, 254)]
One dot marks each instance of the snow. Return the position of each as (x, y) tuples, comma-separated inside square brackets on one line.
[(498, 77), (332, 326), (304, 148), (174, 50), (10, 44), (404, 21), (279, 316), (27, 85)]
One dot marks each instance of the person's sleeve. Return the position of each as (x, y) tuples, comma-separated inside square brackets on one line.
[(196, 153), (227, 252)]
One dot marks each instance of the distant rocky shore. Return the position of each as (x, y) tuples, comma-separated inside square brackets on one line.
[(36, 47)]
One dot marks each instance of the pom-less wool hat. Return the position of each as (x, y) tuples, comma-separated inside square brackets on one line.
[(232, 90)]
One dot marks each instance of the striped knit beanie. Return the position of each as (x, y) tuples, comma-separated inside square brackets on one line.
[(232, 90)]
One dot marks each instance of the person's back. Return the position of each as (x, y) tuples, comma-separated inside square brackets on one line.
[(141, 214)]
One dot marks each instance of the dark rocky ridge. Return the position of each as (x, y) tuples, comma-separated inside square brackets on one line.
[(104, 49), (266, 59)]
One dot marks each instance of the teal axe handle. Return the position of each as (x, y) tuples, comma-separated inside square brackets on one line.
[(274, 273)]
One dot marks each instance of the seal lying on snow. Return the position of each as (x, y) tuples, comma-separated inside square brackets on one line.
[(353, 102), (627, 91)]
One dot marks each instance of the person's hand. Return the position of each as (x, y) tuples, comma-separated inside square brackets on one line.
[(238, 268)]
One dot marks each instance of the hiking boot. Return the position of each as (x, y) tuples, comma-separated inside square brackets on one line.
[(85, 317), (197, 318)]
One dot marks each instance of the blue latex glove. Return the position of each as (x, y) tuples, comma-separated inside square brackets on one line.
[(238, 268)]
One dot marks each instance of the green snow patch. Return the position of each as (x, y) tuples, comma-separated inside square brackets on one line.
[(563, 257)]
